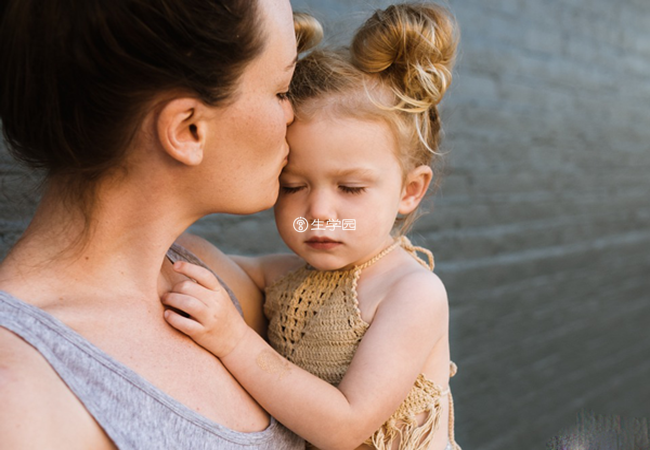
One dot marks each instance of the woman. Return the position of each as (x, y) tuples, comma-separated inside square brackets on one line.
[(146, 115)]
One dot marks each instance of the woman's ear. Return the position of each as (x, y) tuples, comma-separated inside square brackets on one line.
[(415, 187), (182, 130)]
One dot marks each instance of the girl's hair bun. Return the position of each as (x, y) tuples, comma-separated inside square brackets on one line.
[(309, 31), (413, 47)]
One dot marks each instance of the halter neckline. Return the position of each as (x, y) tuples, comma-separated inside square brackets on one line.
[(410, 248), (379, 255), (402, 241)]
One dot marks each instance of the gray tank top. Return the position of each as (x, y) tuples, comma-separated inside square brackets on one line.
[(133, 413)]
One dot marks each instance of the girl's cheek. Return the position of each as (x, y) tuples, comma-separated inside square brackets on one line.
[(284, 218)]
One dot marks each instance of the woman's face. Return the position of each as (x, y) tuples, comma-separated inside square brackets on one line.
[(248, 141)]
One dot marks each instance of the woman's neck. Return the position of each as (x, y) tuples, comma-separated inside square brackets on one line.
[(118, 251)]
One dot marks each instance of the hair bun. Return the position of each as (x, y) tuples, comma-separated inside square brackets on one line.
[(309, 31), (414, 47)]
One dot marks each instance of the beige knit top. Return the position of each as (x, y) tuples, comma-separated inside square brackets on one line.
[(315, 322)]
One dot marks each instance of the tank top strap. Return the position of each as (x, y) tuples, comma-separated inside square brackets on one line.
[(135, 414)]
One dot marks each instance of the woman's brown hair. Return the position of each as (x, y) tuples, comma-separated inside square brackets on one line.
[(77, 76)]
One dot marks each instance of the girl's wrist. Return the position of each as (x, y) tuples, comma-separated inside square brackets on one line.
[(240, 340)]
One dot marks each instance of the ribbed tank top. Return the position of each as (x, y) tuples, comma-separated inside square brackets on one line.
[(133, 412)]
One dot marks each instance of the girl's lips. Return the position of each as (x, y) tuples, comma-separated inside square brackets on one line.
[(322, 243)]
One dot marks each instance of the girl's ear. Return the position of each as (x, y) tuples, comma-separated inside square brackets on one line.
[(415, 187), (182, 128)]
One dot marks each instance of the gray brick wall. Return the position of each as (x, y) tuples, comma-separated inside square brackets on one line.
[(542, 227), (18, 198)]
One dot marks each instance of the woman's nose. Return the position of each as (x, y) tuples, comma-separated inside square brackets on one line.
[(288, 112)]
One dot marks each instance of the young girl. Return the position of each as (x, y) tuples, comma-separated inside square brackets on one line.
[(356, 307)]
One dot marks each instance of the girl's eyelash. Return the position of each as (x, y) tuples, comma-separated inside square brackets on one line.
[(283, 95), (346, 189), (352, 190), (289, 189)]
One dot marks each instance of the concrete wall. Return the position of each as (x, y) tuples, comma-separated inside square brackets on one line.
[(542, 227)]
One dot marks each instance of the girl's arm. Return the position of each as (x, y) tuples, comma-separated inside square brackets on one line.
[(405, 329)]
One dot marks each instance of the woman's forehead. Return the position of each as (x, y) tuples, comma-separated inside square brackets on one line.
[(279, 33)]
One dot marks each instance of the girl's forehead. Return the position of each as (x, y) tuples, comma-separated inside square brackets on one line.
[(341, 147), (340, 138), (335, 124), (335, 170)]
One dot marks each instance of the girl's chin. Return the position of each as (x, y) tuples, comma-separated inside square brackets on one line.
[(319, 264)]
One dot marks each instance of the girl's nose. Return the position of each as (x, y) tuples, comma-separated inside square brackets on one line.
[(321, 206)]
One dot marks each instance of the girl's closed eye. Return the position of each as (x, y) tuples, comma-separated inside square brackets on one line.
[(290, 189), (283, 95), (352, 189)]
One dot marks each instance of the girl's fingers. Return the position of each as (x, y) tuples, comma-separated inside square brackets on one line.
[(185, 303), (183, 324), (209, 297), (200, 274)]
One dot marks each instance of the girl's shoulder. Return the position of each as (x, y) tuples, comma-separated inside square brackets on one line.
[(266, 270), (417, 300), (278, 266), (417, 285), (402, 282)]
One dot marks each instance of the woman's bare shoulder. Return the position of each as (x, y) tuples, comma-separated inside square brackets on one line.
[(38, 410), (20, 363)]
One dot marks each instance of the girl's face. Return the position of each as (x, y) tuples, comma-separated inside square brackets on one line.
[(343, 173)]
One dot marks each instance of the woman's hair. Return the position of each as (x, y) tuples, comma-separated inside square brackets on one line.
[(397, 70), (78, 76)]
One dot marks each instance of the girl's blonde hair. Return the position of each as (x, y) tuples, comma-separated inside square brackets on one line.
[(309, 31), (397, 70)]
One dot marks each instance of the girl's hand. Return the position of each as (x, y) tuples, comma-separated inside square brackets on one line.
[(213, 322)]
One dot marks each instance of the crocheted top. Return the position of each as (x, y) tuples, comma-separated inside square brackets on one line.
[(315, 322)]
